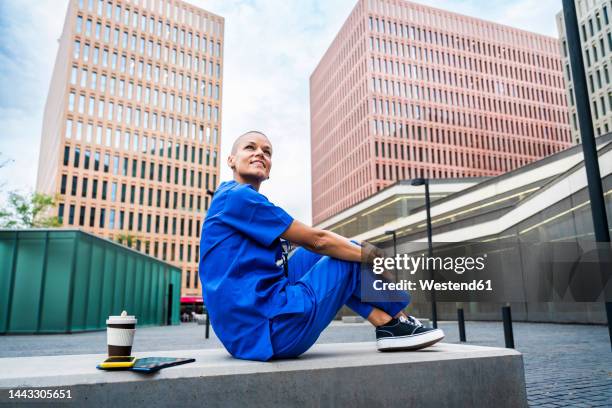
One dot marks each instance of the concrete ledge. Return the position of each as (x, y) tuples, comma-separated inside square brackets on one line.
[(352, 319), (352, 374)]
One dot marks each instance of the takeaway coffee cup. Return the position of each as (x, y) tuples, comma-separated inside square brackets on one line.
[(120, 334)]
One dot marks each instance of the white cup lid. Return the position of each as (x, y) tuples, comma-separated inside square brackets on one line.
[(123, 319)]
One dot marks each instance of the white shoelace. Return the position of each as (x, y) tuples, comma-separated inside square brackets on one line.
[(411, 320)]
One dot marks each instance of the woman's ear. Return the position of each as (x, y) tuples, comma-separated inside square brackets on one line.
[(231, 161)]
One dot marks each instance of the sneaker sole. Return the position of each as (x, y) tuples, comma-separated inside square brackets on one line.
[(414, 342)]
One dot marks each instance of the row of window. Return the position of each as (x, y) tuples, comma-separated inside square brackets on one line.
[(163, 173), (394, 67), (381, 84), (458, 158), (445, 139), (96, 29), (132, 194), (599, 106), (130, 88), (81, 215), (148, 146), (129, 220), (474, 121), (104, 8), (593, 54), (132, 142), (196, 279), (536, 130), (456, 42), (386, 173), (594, 29), (99, 107), (476, 104), (596, 82), (152, 71)]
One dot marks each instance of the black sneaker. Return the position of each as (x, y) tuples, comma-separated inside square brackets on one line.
[(406, 334)]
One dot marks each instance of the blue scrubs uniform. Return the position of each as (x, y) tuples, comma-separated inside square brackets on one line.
[(257, 312)]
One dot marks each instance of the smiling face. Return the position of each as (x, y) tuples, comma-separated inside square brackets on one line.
[(251, 159)]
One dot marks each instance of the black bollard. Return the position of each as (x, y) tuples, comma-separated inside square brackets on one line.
[(207, 335), (461, 321), (609, 314), (508, 335)]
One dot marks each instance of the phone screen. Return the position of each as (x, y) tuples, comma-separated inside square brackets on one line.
[(119, 359)]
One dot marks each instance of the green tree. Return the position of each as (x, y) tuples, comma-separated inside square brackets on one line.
[(25, 210), (125, 239)]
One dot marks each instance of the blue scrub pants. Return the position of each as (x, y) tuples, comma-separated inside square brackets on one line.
[(328, 284)]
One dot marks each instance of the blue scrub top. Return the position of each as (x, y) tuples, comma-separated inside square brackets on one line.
[(242, 286)]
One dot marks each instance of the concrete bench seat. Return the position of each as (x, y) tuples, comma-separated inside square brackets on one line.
[(351, 374)]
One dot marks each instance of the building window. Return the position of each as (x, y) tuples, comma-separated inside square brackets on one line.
[(92, 217), (60, 213), (73, 190), (63, 184), (68, 133), (102, 216), (71, 215), (77, 157), (66, 155), (77, 49), (82, 216)]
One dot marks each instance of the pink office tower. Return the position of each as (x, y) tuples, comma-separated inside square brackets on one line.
[(408, 91)]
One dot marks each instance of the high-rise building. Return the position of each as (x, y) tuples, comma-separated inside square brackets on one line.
[(132, 125), (407, 91), (595, 27)]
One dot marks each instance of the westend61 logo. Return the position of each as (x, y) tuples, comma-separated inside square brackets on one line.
[(412, 264)]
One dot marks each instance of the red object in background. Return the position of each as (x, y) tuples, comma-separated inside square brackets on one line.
[(191, 299)]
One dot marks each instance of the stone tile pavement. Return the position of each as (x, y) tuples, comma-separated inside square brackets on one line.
[(565, 365)]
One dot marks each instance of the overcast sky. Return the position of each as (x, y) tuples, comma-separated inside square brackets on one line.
[(271, 48)]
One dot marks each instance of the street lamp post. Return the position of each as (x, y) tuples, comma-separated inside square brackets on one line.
[(587, 134), (425, 182)]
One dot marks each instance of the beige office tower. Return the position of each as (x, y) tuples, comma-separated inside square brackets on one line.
[(595, 27), (132, 125)]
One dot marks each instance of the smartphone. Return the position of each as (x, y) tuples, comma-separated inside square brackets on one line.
[(153, 364), (117, 363)]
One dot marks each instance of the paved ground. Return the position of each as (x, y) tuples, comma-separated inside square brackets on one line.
[(565, 365)]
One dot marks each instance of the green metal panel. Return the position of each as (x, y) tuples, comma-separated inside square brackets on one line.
[(54, 302), (23, 317), (81, 282), (138, 279), (8, 243), (129, 284), (153, 301), (96, 281), (176, 298), (165, 295), (161, 290), (110, 260), (146, 290), (119, 302), (65, 280)]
